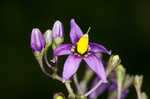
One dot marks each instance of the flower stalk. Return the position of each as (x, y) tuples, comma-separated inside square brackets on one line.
[(120, 75), (138, 80), (94, 88), (86, 78), (77, 83), (70, 90)]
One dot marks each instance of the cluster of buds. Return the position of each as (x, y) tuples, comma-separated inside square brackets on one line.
[(40, 42)]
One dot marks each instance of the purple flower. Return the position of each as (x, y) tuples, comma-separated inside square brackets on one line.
[(57, 30), (37, 40), (111, 86), (99, 90), (81, 49)]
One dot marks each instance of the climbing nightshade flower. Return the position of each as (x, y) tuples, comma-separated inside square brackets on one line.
[(79, 50), (37, 40)]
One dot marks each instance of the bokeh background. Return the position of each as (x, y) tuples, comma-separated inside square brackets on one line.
[(120, 25)]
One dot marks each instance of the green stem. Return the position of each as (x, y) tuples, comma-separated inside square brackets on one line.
[(119, 91), (88, 75), (77, 83), (68, 86), (46, 60), (94, 88), (138, 91), (42, 67)]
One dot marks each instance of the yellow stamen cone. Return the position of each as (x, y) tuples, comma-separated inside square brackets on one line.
[(82, 45)]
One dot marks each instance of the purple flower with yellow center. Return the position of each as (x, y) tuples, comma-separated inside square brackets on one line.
[(79, 50), (37, 40)]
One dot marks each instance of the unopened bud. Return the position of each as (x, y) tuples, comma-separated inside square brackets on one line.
[(120, 73), (58, 33), (48, 38), (37, 40), (144, 95), (59, 96), (128, 81), (138, 80), (113, 62)]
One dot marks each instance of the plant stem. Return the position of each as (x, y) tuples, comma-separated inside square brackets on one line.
[(46, 60), (119, 91), (139, 95), (138, 91), (77, 83), (55, 76), (68, 86), (44, 71), (94, 88)]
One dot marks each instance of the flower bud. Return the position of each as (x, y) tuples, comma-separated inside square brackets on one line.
[(128, 81), (144, 95), (138, 81), (120, 73), (37, 40), (58, 33), (59, 96), (48, 38), (114, 61)]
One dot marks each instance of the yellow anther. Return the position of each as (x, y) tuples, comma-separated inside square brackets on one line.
[(85, 55), (72, 50), (76, 54), (73, 47), (82, 45)]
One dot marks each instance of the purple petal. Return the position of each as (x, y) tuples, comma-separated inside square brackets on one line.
[(124, 94), (96, 65), (37, 40), (113, 85), (63, 49), (99, 90), (75, 33), (71, 65), (98, 48)]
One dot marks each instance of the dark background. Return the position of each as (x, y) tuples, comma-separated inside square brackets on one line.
[(120, 25)]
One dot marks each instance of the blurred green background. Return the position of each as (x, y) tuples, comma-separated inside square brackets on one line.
[(120, 25)]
